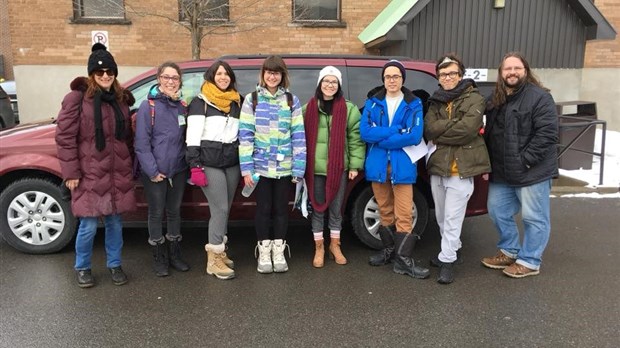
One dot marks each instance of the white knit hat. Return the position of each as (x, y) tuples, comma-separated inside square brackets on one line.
[(330, 70)]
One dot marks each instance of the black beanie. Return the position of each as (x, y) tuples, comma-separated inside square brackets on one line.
[(397, 64), (100, 58)]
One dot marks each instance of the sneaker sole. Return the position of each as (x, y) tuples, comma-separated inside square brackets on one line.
[(492, 266), (120, 283), (262, 271), (221, 276), (533, 273), (280, 270), (85, 286)]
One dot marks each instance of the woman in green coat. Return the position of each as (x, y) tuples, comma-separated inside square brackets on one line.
[(335, 152)]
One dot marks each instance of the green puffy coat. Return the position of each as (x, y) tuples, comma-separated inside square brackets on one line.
[(355, 148), (457, 136)]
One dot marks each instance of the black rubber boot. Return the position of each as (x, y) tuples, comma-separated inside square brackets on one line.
[(160, 259), (387, 253), (175, 257), (403, 263), (446, 273), (436, 263), (85, 278)]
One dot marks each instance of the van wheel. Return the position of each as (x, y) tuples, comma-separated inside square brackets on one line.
[(366, 221), (33, 217)]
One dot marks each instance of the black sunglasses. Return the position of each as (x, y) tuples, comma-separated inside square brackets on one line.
[(107, 72)]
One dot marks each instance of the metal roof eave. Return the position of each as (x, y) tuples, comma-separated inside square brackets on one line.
[(390, 25), (597, 26)]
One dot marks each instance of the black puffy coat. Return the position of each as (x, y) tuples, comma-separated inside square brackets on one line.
[(522, 138)]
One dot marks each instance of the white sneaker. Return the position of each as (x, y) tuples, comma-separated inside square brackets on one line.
[(263, 248), (277, 253)]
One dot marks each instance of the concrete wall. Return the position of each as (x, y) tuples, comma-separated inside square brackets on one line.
[(41, 88), (601, 86)]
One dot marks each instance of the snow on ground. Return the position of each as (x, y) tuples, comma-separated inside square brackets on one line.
[(611, 170)]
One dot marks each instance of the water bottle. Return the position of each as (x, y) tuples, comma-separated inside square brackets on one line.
[(247, 190)]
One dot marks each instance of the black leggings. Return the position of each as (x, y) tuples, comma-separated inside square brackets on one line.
[(272, 195)]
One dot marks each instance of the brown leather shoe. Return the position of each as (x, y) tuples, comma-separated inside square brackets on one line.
[(499, 261), (519, 271)]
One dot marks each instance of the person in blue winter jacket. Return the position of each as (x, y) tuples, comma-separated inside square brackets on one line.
[(160, 150), (391, 124)]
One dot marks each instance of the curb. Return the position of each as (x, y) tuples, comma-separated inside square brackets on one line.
[(566, 185)]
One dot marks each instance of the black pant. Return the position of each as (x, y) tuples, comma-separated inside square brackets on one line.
[(272, 195), (164, 195)]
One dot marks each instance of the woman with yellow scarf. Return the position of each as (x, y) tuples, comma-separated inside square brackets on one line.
[(212, 154)]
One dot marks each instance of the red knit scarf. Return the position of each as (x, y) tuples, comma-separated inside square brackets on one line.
[(335, 152)]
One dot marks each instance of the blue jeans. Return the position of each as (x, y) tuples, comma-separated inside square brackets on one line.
[(504, 202), (86, 236)]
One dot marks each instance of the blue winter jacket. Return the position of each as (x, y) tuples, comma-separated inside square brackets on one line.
[(385, 142), (160, 147)]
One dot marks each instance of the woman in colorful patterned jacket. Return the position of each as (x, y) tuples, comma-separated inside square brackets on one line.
[(273, 146), (335, 152)]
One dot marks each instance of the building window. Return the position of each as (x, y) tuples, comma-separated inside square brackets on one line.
[(316, 11), (98, 10), (212, 11)]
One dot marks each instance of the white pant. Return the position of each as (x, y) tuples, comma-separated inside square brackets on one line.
[(450, 195)]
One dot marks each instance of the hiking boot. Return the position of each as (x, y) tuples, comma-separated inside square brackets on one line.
[(446, 273), (435, 262), (118, 276), (263, 253), (277, 254), (85, 278), (215, 262), (176, 261), (519, 271), (385, 256), (160, 259), (499, 261)]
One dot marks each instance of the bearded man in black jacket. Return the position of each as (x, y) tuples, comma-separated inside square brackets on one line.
[(521, 135)]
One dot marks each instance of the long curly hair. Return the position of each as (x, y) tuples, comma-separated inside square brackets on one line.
[(501, 90), (93, 87)]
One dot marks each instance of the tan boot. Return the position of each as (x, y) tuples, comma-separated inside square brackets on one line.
[(215, 262), (225, 258), (336, 253), (319, 254)]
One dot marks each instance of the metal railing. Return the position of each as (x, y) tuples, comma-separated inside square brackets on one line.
[(584, 123)]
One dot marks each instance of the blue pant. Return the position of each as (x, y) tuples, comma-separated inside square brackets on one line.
[(504, 202), (86, 236)]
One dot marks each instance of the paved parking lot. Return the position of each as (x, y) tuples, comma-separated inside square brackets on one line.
[(573, 303)]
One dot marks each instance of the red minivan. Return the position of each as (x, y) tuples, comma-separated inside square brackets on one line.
[(34, 219)]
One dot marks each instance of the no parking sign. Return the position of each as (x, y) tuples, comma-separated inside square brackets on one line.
[(100, 36)]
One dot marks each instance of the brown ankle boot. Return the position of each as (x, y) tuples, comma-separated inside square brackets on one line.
[(336, 253), (319, 254)]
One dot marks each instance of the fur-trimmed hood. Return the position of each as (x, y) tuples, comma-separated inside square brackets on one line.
[(80, 83)]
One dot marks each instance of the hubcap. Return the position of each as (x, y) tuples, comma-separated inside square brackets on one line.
[(36, 218)]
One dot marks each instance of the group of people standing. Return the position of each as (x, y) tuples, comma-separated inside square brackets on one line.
[(271, 141)]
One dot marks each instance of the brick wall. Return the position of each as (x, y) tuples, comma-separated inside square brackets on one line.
[(48, 37), (606, 53), (6, 70)]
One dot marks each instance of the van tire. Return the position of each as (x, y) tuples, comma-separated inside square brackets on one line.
[(365, 216), (30, 230)]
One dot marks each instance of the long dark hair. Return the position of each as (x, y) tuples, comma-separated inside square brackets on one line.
[(210, 74), (318, 94), (500, 92)]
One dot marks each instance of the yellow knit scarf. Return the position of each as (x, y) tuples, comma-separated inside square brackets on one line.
[(221, 99)]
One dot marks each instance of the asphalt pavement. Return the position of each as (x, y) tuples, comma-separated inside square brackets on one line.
[(572, 303)]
